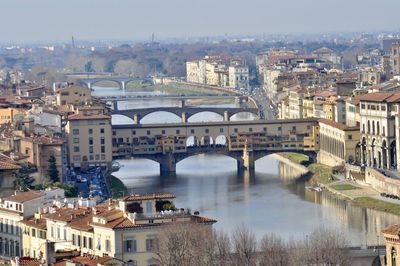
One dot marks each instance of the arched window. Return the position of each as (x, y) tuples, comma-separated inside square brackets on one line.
[(377, 128), (373, 127), (368, 127)]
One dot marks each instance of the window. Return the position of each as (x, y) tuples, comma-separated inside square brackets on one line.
[(151, 245), (76, 148), (221, 130), (114, 133), (250, 129), (103, 149), (97, 157), (90, 130), (90, 149), (90, 243), (178, 131), (293, 128), (101, 130), (85, 242), (265, 129), (235, 130), (102, 141), (75, 131), (73, 239), (108, 245), (130, 245), (207, 131), (133, 132), (76, 158), (163, 132), (148, 132), (76, 140), (33, 232), (192, 131), (90, 141), (350, 137)]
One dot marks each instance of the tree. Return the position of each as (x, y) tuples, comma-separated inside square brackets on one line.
[(88, 67), (244, 246), (52, 171), (274, 251), (23, 181)]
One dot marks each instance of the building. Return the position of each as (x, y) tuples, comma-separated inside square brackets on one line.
[(339, 143), (73, 95), (38, 149), (125, 229), (378, 129), (392, 239), (11, 114), (238, 76), (89, 140), (13, 209), (296, 97), (340, 111), (395, 58)]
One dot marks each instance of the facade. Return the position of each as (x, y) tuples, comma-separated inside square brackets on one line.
[(392, 239), (239, 76), (13, 209), (339, 143), (395, 58), (340, 111), (89, 140), (11, 114), (378, 131), (38, 149), (296, 103), (72, 95)]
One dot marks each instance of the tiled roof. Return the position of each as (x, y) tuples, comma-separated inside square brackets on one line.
[(148, 197), (22, 197), (67, 214), (88, 117), (86, 260), (25, 261), (35, 223), (45, 140), (336, 125), (82, 223), (6, 165), (390, 97), (392, 230)]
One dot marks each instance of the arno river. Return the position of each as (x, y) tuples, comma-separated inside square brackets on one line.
[(271, 200)]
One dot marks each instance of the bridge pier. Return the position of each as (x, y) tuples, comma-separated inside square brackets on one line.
[(89, 85), (115, 105), (122, 85), (168, 164), (226, 116), (181, 103), (184, 117), (136, 119), (248, 160)]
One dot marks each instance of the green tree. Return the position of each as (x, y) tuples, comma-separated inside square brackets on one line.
[(89, 67), (52, 171), (23, 181)]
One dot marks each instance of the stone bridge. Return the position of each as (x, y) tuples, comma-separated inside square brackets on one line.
[(121, 81), (245, 141), (183, 112)]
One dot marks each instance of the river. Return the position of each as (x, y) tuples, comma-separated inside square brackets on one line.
[(271, 200)]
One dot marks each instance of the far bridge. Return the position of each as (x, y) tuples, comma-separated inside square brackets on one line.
[(184, 112), (244, 141), (120, 80)]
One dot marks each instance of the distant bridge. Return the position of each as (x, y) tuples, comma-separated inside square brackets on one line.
[(184, 112), (122, 81), (245, 141)]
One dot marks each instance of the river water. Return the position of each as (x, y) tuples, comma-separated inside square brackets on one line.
[(271, 200)]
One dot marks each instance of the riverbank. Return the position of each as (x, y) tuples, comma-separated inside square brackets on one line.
[(118, 188), (359, 195)]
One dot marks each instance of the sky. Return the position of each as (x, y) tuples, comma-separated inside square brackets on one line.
[(53, 20)]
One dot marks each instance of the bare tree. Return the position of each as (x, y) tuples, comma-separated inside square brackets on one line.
[(273, 251), (244, 246)]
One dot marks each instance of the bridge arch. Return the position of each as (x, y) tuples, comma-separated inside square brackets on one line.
[(243, 115), (120, 119), (200, 116), (160, 117), (94, 82)]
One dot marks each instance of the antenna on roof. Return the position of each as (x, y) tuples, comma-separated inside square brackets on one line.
[(73, 42)]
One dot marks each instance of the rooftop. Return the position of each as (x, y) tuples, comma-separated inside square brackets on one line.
[(392, 230), (389, 97), (337, 125), (22, 197), (88, 117), (137, 197)]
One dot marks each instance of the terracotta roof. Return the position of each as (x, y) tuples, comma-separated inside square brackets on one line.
[(392, 230), (22, 197), (148, 197), (6, 165), (45, 140), (390, 97), (86, 260), (82, 223), (35, 223), (337, 125), (67, 214), (88, 117), (26, 261)]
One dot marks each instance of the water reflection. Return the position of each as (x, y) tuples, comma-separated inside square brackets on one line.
[(271, 199)]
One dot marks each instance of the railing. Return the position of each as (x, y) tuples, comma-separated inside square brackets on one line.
[(159, 215)]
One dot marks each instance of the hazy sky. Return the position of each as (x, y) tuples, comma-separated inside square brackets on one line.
[(46, 20)]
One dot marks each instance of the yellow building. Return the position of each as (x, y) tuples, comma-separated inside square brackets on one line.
[(72, 95), (392, 239), (338, 143), (89, 140), (9, 115)]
